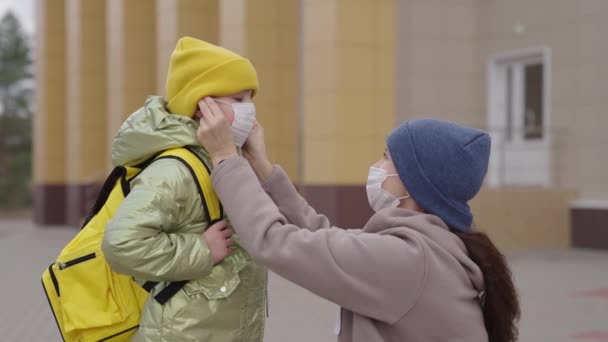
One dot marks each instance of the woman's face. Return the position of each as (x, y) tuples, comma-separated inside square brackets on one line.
[(225, 104), (391, 184)]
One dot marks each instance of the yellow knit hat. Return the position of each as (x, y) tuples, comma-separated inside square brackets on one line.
[(199, 69)]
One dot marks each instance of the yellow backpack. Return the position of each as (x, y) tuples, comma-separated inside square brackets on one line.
[(91, 302)]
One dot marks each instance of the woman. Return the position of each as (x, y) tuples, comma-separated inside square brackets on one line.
[(159, 233), (417, 271)]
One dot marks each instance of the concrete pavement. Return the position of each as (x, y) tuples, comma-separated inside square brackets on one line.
[(564, 294)]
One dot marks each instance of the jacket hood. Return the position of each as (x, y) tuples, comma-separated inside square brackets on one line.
[(396, 221), (151, 129)]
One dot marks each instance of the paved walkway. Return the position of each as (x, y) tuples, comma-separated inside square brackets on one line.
[(564, 294)]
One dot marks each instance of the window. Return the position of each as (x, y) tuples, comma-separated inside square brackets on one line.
[(518, 118), (533, 102)]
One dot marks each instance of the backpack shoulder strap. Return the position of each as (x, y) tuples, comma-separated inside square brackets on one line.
[(211, 205), (201, 173), (118, 173)]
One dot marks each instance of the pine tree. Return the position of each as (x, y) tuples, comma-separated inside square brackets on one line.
[(16, 95)]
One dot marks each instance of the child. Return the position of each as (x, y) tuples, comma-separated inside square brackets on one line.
[(160, 232)]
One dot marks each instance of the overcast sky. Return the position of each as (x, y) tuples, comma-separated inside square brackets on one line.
[(24, 9)]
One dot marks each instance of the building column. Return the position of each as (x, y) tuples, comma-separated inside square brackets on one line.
[(267, 33), (86, 104), (131, 39), (49, 162), (348, 101), (178, 18)]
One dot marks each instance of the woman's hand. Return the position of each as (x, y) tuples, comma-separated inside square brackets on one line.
[(254, 151), (214, 132)]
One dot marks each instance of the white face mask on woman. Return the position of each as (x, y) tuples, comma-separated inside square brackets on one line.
[(379, 198), (244, 118)]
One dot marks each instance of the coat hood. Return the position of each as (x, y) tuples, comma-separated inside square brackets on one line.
[(151, 129), (397, 220)]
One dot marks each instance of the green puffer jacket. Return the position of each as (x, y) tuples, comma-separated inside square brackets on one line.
[(156, 235)]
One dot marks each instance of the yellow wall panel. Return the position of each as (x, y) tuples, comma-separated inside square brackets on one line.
[(320, 165), (343, 64), (265, 32), (49, 155), (86, 86)]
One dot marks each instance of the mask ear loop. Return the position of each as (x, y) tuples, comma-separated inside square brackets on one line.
[(393, 175), (404, 197), (220, 101), (387, 174)]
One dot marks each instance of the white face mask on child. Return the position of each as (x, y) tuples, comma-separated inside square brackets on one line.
[(244, 118), (379, 198)]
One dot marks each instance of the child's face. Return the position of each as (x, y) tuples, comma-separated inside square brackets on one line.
[(225, 104)]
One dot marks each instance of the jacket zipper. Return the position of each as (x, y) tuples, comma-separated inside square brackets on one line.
[(64, 265), (266, 295)]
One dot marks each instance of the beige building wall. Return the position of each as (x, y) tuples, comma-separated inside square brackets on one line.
[(335, 78), (131, 39), (267, 33), (436, 74), (86, 102), (517, 219), (443, 51), (49, 155), (575, 33), (177, 18)]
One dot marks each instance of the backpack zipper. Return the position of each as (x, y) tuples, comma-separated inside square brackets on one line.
[(54, 279), (118, 334), (64, 265)]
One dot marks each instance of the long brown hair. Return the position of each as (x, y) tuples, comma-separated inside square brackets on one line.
[(500, 302)]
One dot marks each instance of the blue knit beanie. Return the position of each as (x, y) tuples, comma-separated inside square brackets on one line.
[(442, 165)]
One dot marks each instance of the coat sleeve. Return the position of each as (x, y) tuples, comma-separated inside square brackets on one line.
[(379, 276), (291, 204), (145, 237)]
